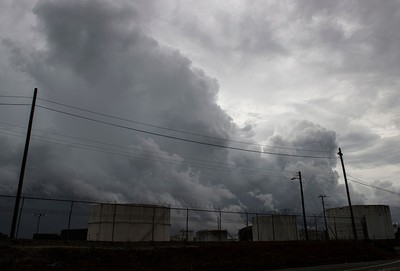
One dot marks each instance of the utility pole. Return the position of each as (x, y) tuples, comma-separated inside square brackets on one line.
[(22, 172), (219, 225), (187, 224), (38, 221), (69, 219), (19, 217), (348, 195), (302, 203), (323, 211), (113, 225)]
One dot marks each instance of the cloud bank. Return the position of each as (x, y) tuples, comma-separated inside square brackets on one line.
[(106, 57)]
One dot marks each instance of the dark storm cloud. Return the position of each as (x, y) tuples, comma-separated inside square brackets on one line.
[(9, 157), (98, 55), (98, 50), (318, 175)]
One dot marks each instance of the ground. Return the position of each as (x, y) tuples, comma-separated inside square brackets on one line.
[(60, 255)]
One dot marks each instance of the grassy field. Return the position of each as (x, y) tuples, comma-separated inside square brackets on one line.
[(59, 255)]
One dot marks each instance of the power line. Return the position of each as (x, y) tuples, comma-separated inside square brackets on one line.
[(361, 182), (15, 96), (181, 139), (176, 130), (13, 104), (309, 191), (155, 159), (138, 149), (375, 187)]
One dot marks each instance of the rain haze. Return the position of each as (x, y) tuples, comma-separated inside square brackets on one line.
[(213, 104)]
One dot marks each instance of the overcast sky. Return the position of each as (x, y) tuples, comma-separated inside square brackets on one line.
[(291, 77)]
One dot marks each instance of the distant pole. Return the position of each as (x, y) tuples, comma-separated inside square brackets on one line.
[(38, 221), (153, 228), (113, 224), (348, 195), (273, 227), (187, 224), (302, 203), (316, 226), (323, 211), (258, 228), (220, 225), (22, 171), (69, 219)]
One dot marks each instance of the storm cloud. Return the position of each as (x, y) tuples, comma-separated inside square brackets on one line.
[(111, 58)]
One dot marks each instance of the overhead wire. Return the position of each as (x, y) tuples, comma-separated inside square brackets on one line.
[(142, 157), (168, 136), (14, 104), (145, 151), (173, 137), (309, 191), (179, 138), (361, 182), (15, 96), (176, 130)]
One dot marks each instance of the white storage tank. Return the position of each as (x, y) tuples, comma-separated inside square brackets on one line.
[(183, 235), (274, 228), (371, 221), (212, 235), (129, 222)]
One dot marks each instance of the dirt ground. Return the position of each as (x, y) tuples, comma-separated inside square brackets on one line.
[(59, 255)]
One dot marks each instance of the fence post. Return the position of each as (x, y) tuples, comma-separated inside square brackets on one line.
[(273, 227), (113, 225), (334, 224), (187, 224), (316, 227), (365, 227), (69, 219), (101, 216), (258, 229), (152, 230), (220, 226), (19, 217)]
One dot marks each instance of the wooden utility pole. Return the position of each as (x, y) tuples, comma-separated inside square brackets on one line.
[(22, 172), (302, 203), (323, 211), (348, 195), (69, 220), (187, 225)]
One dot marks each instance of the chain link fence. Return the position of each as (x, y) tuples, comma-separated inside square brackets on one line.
[(69, 219)]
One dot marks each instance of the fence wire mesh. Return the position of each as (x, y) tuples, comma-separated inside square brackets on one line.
[(62, 219)]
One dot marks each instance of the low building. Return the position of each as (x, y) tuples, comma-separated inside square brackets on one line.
[(246, 234)]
